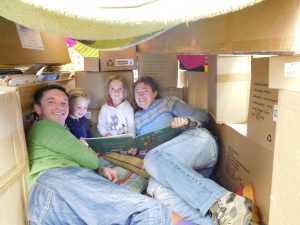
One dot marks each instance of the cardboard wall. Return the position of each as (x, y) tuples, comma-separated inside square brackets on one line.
[(262, 114), (162, 67), (95, 84), (196, 92), (243, 161), (285, 73), (55, 49), (14, 160), (229, 87), (268, 27), (285, 196)]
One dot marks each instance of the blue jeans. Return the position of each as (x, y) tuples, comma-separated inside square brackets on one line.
[(75, 195), (174, 179)]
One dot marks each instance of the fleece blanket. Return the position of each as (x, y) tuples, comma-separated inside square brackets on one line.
[(118, 20)]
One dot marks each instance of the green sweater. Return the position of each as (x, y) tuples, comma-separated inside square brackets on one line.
[(50, 145)]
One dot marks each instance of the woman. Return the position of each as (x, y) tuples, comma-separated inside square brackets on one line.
[(172, 165)]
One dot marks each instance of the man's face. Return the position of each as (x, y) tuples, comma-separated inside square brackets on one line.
[(54, 106)]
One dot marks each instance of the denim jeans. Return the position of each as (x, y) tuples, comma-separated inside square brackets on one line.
[(75, 195), (174, 179)]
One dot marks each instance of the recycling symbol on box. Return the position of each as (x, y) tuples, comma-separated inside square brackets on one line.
[(110, 62)]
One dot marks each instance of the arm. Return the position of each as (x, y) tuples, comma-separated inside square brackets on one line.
[(130, 119), (101, 126), (56, 139), (197, 117)]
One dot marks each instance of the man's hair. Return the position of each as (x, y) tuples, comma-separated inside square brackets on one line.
[(40, 92)]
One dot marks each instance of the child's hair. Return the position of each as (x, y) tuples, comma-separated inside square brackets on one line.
[(76, 93), (124, 82)]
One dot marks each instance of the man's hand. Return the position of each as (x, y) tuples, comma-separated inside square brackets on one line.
[(109, 173)]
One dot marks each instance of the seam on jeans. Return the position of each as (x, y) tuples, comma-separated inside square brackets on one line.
[(36, 189)]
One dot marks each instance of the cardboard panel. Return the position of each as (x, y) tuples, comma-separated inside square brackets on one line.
[(13, 161), (196, 90), (286, 171), (242, 161), (228, 88), (95, 84), (13, 203), (55, 49), (285, 73), (253, 29), (262, 105), (162, 67), (118, 60)]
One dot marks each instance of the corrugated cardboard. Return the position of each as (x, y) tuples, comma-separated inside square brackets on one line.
[(13, 161), (12, 52), (243, 161), (91, 64), (96, 85), (196, 91), (172, 91), (269, 26), (285, 72), (118, 60), (262, 105), (285, 195), (162, 67), (228, 88)]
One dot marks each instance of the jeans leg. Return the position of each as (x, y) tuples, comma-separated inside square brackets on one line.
[(172, 165), (176, 204), (75, 195)]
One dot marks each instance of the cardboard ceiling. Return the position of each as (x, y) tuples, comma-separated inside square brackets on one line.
[(113, 23)]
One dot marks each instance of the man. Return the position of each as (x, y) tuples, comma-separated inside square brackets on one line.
[(64, 188)]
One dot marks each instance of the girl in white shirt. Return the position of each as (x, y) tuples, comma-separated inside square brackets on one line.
[(116, 115)]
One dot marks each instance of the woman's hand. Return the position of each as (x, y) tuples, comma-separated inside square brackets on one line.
[(109, 173), (179, 122)]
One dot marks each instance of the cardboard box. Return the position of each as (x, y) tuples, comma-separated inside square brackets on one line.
[(285, 196), (270, 26), (91, 64), (285, 72), (14, 160), (243, 161), (162, 67), (262, 105), (93, 121), (96, 85), (118, 60), (196, 91), (228, 88), (55, 50), (172, 91)]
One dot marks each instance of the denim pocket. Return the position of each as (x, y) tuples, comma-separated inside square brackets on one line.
[(39, 203)]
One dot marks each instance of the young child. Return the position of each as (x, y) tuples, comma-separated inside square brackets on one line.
[(116, 115), (76, 121)]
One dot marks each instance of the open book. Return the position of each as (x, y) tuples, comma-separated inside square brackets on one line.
[(142, 143)]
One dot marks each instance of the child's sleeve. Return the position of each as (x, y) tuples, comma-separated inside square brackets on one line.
[(130, 119), (101, 126)]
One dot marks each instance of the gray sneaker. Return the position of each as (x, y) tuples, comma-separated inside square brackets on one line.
[(231, 209)]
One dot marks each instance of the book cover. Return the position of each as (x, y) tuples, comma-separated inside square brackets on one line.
[(143, 143)]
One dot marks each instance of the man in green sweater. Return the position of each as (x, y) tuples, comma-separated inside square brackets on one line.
[(64, 187)]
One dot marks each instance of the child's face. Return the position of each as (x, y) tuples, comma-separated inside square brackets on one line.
[(116, 92), (79, 108)]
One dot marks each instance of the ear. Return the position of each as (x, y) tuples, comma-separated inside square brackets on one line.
[(37, 109), (155, 94)]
